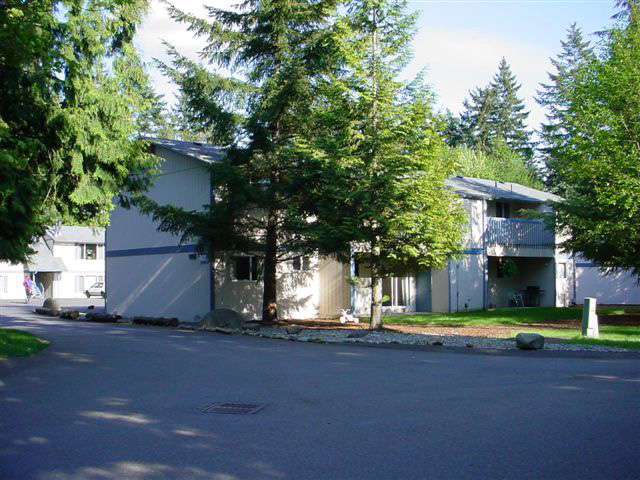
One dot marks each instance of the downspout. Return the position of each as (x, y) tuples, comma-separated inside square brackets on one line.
[(457, 286), (212, 266), (106, 284), (352, 287), (449, 281), (575, 279), (485, 259)]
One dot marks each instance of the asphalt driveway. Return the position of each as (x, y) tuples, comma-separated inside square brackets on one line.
[(120, 402)]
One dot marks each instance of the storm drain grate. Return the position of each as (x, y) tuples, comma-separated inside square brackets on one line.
[(233, 408)]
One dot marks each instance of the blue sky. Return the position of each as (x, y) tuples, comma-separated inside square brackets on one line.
[(460, 42)]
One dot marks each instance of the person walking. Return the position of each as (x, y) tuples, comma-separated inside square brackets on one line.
[(28, 287)]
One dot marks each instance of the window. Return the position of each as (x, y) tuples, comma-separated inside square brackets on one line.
[(503, 210), (395, 288), (89, 251), (301, 264), (246, 268)]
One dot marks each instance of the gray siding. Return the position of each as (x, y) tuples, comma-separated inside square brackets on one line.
[(146, 282)]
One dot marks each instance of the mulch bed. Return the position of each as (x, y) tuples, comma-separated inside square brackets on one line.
[(628, 319)]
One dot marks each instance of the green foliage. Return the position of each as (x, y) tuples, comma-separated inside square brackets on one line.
[(493, 115), (505, 317), (554, 96), (70, 89), (276, 51), (378, 185), (502, 165), (599, 161), (14, 343)]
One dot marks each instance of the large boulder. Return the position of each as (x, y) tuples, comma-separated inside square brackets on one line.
[(223, 318), (529, 341), (52, 305)]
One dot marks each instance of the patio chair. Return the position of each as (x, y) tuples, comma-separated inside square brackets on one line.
[(516, 299)]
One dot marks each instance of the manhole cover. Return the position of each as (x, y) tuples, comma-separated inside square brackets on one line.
[(234, 408)]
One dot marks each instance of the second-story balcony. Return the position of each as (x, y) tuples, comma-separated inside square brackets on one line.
[(513, 236)]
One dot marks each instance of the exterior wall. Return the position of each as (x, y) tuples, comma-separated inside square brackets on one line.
[(148, 272), (298, 291), (467, 283), (335, 290), (183, 183), (476, 213), (617, 288), (68, 285), (11, 278), (564, 284), (169, 285)]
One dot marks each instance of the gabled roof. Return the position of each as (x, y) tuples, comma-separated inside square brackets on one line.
[(44, 261), (479, 188), (466, 187), (67, 234), (200, 151)]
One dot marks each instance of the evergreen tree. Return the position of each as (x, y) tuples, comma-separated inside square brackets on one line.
[(70, 90), (476, 119), (598, 161), (276, 51), (554, 96), (509, 115), (495, 112), (378, 190)]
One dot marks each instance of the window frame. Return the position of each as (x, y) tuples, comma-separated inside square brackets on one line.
[(254, 268), (301, 264)]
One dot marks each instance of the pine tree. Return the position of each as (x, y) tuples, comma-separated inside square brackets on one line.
[(476, 119), (495, 113), (378, 190), (554, 96), (509, 115), (598, 161), (70, 89), (276, 51)]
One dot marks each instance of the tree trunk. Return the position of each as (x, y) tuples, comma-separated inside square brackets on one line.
[(376, 301), (269, 296)]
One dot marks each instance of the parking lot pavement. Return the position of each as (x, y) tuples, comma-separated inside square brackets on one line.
[(123, 402)]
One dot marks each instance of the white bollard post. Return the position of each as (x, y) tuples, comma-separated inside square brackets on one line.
[(589, 318)]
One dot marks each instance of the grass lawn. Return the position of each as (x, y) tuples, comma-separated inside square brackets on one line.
[(14, 343), (541, 320)]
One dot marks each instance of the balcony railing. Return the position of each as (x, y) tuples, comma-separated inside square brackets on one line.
[(518, 233)]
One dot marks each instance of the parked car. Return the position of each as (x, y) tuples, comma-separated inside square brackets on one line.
[(95, 290)]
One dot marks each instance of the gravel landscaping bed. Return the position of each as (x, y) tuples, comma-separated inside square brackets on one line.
[(355, 335)]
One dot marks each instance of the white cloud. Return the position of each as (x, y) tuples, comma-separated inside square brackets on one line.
[(159, 27), (459, 60)]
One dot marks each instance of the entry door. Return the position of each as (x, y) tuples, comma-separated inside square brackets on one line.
[(423, 291)]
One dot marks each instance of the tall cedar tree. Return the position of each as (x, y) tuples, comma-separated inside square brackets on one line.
[(379, 192), (70, 87), (599, 160), (554, 96), (275, 50), (495, 113)]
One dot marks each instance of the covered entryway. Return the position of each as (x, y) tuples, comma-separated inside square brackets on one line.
[(521, 281), (45, 269)]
